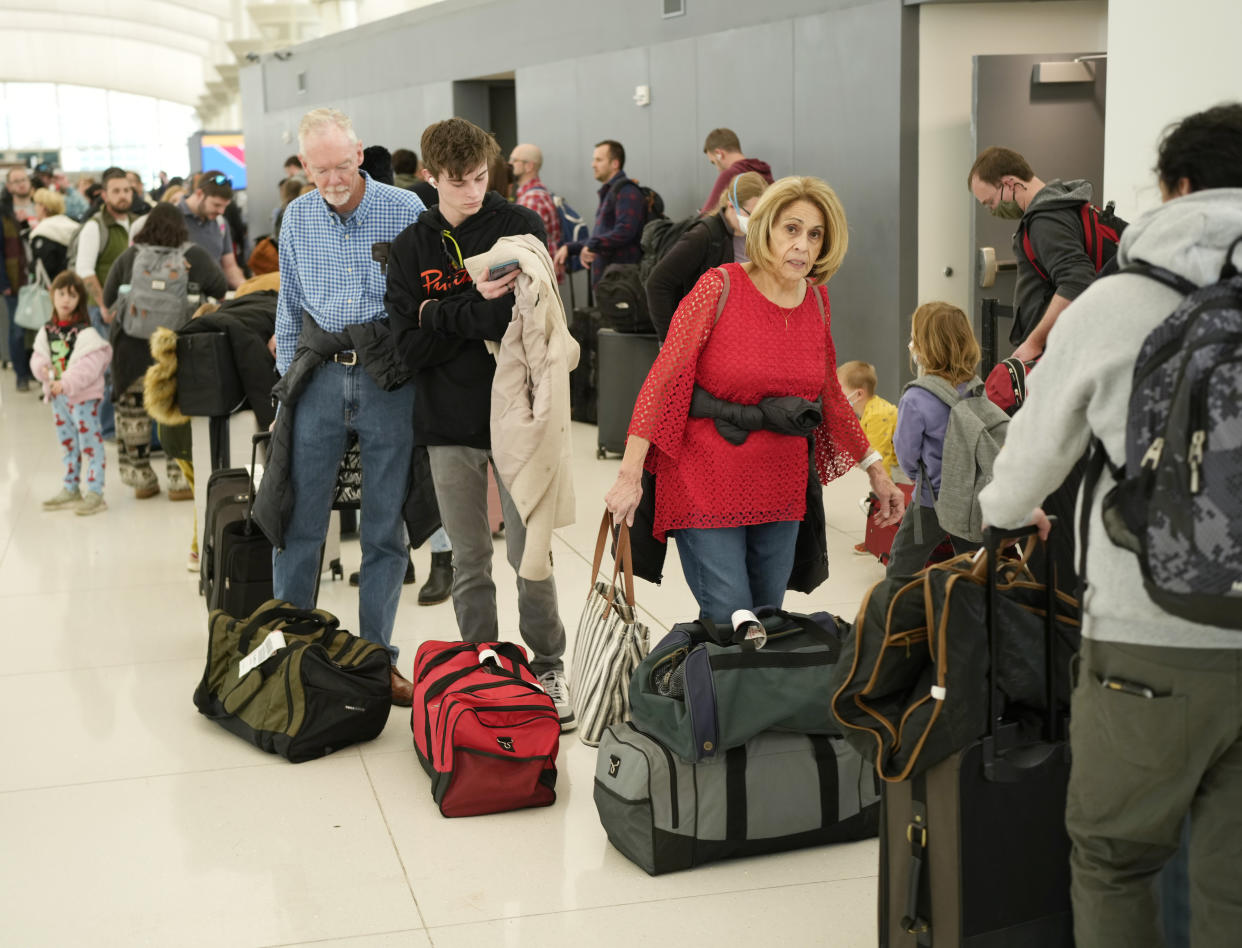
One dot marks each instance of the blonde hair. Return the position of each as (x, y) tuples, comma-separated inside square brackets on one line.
[(944, 342), (749, 184), (50, 201), (775, 200), (316, 120), (172, 195), (857, 374)]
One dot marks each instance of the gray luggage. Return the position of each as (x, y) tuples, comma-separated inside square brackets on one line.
[(777, 792), (624, 361)]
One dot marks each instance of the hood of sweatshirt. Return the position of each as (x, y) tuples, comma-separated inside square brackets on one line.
[(1058, 193), (1188, 235), (752, 164), (58, 227)]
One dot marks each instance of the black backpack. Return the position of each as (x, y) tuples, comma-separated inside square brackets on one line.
[(1177, 504), (661, 234), (622, 300), (652, 202)]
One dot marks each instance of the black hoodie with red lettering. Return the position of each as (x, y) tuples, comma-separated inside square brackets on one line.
[(452, 368)]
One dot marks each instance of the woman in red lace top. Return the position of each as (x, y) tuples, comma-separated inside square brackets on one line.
[(735, 508)]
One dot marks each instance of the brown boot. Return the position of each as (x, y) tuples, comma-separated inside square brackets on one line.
[(402, 688)]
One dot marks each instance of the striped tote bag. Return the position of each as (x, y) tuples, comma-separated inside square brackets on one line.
[(610, 643)]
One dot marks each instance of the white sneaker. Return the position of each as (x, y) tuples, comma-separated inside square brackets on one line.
[(92, 503), (65, 499), (557, 688)]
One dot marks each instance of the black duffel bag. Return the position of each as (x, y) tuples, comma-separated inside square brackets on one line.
[(207, 379), (293, 683)]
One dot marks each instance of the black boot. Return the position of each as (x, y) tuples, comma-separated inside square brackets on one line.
[(409, 575), (439, 585)]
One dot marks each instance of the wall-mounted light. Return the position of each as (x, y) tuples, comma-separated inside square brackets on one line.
[(642, 95)]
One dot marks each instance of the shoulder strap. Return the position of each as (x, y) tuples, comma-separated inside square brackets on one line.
[(724, 294), (819, 303), (938, 387), (1174, 281)]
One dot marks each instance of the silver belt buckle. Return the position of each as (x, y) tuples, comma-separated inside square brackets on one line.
[(346, 358)]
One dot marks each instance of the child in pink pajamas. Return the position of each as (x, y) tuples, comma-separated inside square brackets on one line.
[(70, 359)]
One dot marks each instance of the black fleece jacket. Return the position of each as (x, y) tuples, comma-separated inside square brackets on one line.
[(708, 243), (451, 366)]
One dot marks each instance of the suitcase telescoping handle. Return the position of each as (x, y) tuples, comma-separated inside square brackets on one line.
[(258, 438), (995, 765)]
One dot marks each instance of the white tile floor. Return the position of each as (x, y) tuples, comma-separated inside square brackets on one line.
[(129, 819)]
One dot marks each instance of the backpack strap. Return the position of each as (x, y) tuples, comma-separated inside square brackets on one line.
[(1174, 281), (1029, 250), (937, 386), (724, 294)]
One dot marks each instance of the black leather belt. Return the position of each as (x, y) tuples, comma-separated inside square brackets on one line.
[(348, 357)]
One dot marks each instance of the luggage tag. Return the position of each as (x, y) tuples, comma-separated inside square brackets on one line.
[(754, 635), (274, 642)]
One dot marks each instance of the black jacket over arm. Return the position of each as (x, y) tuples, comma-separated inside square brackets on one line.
[(679, 269), (452, 368)]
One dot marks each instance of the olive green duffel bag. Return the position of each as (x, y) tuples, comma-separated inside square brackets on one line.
[(292, 683)]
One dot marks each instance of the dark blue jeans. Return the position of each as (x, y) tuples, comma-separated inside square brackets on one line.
[(17, 343), (729, 568), (340, 399)]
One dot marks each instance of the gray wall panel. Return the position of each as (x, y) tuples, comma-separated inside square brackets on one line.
[(746, 83), (675, 142), (847, 93)]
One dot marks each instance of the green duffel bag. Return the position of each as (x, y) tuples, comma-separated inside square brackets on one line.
[(292, 683), (700, 694)]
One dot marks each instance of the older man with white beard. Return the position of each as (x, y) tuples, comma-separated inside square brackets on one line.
[(331, 285)]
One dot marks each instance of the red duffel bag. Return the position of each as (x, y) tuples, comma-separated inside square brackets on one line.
[(485, 731)]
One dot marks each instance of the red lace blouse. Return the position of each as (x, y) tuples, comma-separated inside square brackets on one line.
[(757, 349)]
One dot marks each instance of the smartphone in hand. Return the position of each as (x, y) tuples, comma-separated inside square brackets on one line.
[(501, 269)]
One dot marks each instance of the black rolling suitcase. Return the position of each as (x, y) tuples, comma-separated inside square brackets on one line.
[(624, 361), (584, 325), (974, 851), (240, 556)]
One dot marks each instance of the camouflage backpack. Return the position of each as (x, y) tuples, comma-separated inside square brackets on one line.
[(1178, 501)]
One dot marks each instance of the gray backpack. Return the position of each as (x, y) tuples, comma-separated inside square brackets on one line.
[(976, 431), (159, 291)]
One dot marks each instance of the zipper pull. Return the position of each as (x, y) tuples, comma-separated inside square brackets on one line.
[(1152, 457), (1195, 458)]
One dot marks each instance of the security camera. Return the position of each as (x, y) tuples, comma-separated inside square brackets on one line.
[(252, 57)]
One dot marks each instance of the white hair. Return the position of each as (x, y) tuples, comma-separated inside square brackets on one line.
[(316, 120)]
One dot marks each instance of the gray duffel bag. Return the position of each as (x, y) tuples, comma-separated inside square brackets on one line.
[(778, 791)]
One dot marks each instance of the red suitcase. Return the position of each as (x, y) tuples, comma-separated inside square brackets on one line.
[(485, 731), (879, 540)]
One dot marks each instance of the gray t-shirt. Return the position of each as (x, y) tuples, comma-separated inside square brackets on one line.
[(212, 236)]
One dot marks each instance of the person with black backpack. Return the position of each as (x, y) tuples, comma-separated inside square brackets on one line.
[(696, 245), (1156, 714), (623, 210), (1061, 242)]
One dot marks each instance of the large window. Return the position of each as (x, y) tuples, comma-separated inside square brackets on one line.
[(95, 128)]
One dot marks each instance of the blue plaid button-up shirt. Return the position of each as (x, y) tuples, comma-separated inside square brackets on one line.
[(325, 262)]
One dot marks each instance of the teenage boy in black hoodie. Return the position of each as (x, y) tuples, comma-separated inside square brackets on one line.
[(440, 319)]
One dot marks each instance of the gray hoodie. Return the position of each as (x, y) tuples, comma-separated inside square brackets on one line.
[(1053, 220), (1082, 387)]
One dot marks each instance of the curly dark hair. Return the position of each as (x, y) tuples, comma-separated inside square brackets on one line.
[(165, 227), (455, 147), (1204, 148)]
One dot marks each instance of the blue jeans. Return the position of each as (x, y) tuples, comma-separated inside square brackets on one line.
[(17, 343), (340, 399), (107, 413), (729, 568)]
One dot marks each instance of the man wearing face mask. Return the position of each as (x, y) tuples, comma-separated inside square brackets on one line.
[(1050, 214)]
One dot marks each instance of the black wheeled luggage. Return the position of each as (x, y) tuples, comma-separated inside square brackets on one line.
[(974, 851), (624, 361), (240, 556)]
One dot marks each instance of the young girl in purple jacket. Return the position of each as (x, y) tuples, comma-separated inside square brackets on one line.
[(941, 343)]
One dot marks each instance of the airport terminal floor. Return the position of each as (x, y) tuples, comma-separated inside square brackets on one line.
[(129, 819)]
